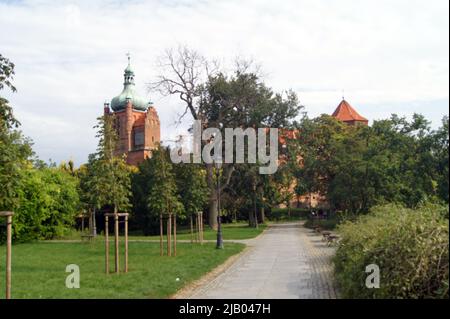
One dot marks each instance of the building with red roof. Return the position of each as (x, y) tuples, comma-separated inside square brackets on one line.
[(347, 114)]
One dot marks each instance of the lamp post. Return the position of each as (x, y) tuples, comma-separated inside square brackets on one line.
[(219, 244)]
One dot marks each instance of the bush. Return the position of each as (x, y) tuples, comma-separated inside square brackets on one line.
[(283, 213), (409, 246), (47, 204), (328, 224)]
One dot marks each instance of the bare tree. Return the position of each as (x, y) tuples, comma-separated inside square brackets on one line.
[(183, 72)]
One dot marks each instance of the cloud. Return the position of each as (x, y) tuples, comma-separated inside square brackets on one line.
[(70, 56)]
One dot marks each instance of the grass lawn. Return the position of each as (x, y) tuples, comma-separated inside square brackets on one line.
[(38, 269), (229, 232)]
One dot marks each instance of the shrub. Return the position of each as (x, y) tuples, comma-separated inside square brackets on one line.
[(409, 246), (328, 224), (283, 213), (47, 204)]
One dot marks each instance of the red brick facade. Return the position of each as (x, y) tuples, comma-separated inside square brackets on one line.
[(139, 132)]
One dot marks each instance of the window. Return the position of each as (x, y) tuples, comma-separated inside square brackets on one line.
[(138, 137)]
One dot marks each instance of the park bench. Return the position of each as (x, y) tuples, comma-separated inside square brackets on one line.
[(317, 229), (87, 237), (332, 239), (325, 235)]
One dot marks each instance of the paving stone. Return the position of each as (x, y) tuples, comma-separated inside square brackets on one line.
[(287, 261)]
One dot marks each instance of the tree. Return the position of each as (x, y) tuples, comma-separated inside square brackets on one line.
[(162, 197), (15, 149), (358, 167), (222, 101), (192, 188), (48, 202), (109, 175), (440, 155)]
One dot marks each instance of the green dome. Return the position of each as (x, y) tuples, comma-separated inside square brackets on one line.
[(119, 102)]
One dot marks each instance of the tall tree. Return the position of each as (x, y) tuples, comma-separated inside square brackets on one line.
[(15, 149), (162, 197), (220, 100), (110, 174), (192, 188)]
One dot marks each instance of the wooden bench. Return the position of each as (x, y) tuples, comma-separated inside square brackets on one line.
[(87, 236), (325, 235), (332, 239), (317, 229)]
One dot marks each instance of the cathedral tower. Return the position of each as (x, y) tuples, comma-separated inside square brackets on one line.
[(136, 121)]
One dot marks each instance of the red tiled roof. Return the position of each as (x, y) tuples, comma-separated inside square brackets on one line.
[(346, 113)]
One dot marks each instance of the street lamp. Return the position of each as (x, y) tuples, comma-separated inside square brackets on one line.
[(218, 165)]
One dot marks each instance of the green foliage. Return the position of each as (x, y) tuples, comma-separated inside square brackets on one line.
[(192, 187), (15, 150), (409, 246), (47, 204), (162, 197), (283, 213), (358, 167), (327, 224), (107, 179), (155, 192)]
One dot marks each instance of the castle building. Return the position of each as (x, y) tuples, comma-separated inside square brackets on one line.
[(136, 121), (347, 114)]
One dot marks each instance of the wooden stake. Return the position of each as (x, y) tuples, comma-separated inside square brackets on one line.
[(196, 228), (116, 242), (161, 235), (8, 255), (192, 230), (174, 234), (169, 232), (126, 243), (201, 228), (106, 245)]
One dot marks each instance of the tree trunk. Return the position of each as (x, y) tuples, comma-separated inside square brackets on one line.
[(256, 213), (213, 213), (262, 216), (94, 224), (192, 230), (251, 219)]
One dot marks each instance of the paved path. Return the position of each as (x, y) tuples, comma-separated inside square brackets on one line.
[(286, 261)]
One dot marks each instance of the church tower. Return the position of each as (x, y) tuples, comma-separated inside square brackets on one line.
[(347, 114), (136, 121)]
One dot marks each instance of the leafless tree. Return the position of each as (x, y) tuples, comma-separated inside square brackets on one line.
[(183, 72)]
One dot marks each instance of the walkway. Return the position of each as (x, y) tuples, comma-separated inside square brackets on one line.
[(286, 261)]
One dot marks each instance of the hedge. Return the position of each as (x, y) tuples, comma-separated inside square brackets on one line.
[(409, 246)]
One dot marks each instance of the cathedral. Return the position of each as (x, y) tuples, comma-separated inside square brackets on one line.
[(136, 121)]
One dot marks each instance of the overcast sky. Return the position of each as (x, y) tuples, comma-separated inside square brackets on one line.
[(390, 56)]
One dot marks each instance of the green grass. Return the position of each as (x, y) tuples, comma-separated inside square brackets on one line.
[(233, 231), (38, 269), (229, 231)]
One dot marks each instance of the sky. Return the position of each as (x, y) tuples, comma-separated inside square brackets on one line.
[(384, 56)]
